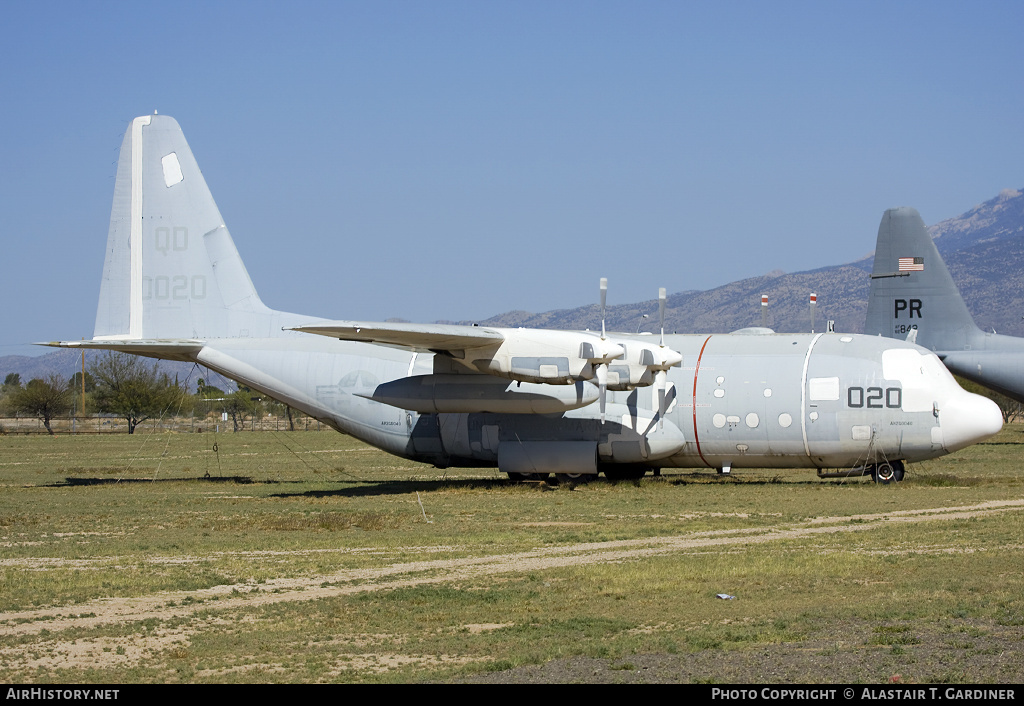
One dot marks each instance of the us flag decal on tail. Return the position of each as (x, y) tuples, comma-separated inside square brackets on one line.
[(911, 264)]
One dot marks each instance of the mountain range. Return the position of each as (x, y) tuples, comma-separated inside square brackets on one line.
[(983, 248)]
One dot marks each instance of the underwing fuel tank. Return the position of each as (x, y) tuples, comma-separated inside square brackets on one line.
[(446, 393)]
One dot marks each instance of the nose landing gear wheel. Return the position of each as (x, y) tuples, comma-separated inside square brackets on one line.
[(887, 472)]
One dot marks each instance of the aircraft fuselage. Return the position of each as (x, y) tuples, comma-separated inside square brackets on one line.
[(800, 400)]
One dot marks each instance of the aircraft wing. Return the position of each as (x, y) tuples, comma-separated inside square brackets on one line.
[(419, 337), (525, 355)]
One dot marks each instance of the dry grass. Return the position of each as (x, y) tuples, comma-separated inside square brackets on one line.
[(307, 557)]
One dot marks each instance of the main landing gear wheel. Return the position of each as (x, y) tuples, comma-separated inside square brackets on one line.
[(625, 472), (573, 479), (887, 472)]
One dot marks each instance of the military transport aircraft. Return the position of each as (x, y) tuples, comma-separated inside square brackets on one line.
[(531, 402), (913, 294)]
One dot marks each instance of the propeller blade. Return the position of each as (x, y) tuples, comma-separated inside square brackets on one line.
[(660, 383), (602, 386)]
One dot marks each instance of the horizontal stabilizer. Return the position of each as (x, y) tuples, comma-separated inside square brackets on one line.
[(171, 349)]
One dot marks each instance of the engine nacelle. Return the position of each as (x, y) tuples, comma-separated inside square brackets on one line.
[(541, 356), (565, 357), (638, 365)]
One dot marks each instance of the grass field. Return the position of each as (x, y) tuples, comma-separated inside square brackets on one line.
[(311, 557)]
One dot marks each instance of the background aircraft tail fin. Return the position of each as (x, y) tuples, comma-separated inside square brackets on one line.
[(911, 288), (171, 268)]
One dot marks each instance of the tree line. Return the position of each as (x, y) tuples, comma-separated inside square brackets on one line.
[(127, 387)]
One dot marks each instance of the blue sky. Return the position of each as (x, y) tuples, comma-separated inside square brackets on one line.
[(454, 160)]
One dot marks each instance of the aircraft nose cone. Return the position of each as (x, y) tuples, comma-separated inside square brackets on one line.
[(967, 419)]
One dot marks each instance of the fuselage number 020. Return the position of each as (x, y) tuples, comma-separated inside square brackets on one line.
[(874, 397)]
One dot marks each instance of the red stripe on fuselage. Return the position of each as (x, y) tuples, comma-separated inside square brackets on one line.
[(696, 369)]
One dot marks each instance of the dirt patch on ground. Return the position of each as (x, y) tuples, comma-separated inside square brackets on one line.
[(100, 652), (977, 652), (990, 651)]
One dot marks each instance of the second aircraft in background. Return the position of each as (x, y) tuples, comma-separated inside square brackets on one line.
[(913, 297)]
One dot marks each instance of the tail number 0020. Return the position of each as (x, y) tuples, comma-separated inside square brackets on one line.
[(180, 287), (874, 397)]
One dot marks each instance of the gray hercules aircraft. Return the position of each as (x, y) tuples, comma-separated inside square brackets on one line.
[(913, 295), (531, 402)]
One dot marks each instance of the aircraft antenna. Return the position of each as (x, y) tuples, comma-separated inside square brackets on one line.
[(604, 296), (661, 313)]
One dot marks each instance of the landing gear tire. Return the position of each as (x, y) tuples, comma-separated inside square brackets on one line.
[(625, 472), (574, 479), (887, 472)]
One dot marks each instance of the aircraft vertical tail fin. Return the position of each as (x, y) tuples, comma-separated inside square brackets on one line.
[(912, 290), (171, 268)]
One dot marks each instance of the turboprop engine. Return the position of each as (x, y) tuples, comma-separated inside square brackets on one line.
[(565, 357)]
